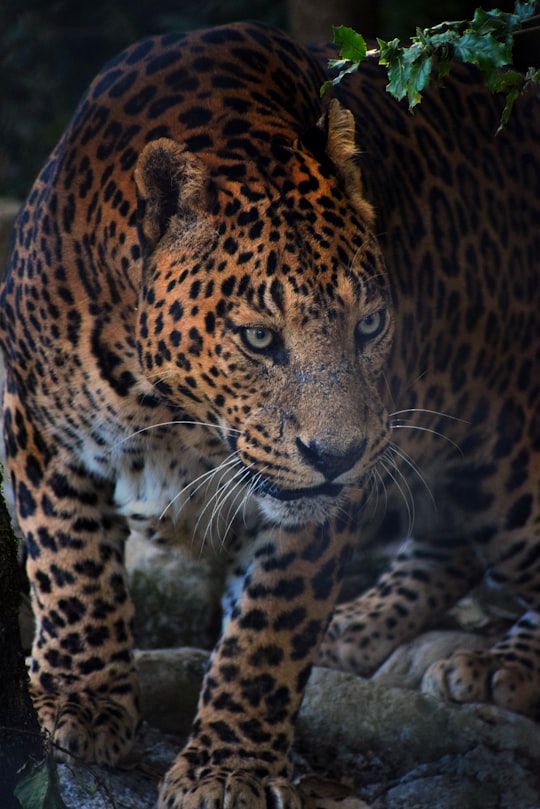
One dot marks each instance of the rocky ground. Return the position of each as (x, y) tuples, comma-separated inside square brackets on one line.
[(375, 743), (369, 746)]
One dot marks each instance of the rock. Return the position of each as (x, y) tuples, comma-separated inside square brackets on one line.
[(98, 788), (406, 665), (170, 685), (176, 596), (460, 781), (348, 714), (416, 751)]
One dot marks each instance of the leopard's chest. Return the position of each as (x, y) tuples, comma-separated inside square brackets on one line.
[(155, 490), (172, 480), (171, 495)]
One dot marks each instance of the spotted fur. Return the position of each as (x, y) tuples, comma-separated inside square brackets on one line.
[(459, 226), (197, 326)]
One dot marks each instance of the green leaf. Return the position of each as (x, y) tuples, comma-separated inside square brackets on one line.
[(397, 78), (352, 68), (484, 51), (510, 99), (420, 73), (326, 86), (527, 9), (504, 81), (352, 44), (388, 51), (38, 786), (485, 41), (444, 68), (445, 38), (494, 21), (408, 74)]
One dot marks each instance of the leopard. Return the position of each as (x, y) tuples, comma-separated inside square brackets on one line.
[(227, 299)]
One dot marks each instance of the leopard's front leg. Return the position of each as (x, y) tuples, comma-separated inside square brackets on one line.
[(238, 752), (423, 581), (82, 675)]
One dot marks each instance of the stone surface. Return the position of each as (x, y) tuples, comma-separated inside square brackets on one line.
[(176, 596), (396, 742), (393, 748), (406, 666), (170, 683)]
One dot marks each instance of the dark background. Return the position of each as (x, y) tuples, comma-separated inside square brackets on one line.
[(51, 49)]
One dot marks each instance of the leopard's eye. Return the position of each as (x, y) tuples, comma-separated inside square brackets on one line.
[(370, 327), (259, 338)]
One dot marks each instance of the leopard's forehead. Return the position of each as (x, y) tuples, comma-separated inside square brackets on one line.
[(270, 261), (277, 249)]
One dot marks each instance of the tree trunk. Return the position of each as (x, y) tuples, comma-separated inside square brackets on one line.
[(20, 737)]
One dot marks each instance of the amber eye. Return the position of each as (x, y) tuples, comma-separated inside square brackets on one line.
[(259, 338), (370, 326)]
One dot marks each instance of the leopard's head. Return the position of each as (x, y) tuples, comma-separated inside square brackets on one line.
[(265, 310)]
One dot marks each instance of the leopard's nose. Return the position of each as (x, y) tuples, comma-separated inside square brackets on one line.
[(329, 463)]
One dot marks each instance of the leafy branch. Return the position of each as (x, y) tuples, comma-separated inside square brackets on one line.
[(485, 41)]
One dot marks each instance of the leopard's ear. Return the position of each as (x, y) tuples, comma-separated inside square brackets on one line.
[(170, 181), (340, 127)]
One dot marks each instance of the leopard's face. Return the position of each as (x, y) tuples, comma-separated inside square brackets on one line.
[(272, 328)]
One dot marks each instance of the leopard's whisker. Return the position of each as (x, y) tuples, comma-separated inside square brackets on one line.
[(388, 464), (237, 497), (179, 422), (375, 485), (218, 499), (405, 457), (440, 413), (399, 426), (252, 488), (202, 480), (243, 495), (228, 493)]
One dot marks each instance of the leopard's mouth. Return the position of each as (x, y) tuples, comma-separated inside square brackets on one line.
[(267, 489), (296, 507)]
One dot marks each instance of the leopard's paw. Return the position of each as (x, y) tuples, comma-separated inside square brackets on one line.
[(87, 726), (187, 786), (485, 676), (354, 643)]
